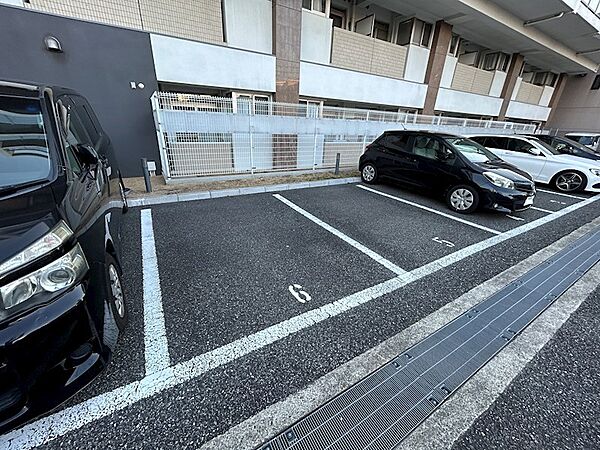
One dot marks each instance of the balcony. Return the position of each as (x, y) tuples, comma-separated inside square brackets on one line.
[(471, 79), (355, 51), (529, 93)]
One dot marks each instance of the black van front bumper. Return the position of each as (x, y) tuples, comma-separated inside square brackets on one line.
[(46, 356)]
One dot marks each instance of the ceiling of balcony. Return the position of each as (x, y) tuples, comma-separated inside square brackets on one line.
[(571, 30)]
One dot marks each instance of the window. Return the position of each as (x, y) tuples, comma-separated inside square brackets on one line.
[(454, 45), (75, 136), (495, 61), (339, 17), (396, 142), (421, 33), (428, 147), (493, 142), (381, 30), (314, 5), (542, 78), (596, 83), (404, 33), (517, 145)]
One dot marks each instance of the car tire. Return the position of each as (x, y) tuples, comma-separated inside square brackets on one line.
[(569, 181), (462, 199), (368, 173), (114, 292)]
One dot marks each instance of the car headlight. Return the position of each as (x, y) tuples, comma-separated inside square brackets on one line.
[(596, 172), (58, 275), (51, 241), (499, 180)]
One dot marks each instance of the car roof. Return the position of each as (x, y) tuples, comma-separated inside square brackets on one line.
[(582, 134), (24, 89), (432, 133)]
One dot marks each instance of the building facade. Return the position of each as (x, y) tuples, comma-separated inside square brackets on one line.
[(483, 59)]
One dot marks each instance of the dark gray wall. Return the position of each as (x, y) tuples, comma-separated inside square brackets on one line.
[(99, 61)]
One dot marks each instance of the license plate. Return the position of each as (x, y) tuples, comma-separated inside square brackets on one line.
[(529, 200)]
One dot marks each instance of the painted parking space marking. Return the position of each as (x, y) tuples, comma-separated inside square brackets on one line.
[(156, 348), (557, 201), (72, 418), (445, 242), (299, 293), (518, 219), (426, 208), (547, 211), (561, 193), (357, 245)]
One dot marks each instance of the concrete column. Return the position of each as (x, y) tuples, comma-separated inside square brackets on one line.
[(287, 28), (558, 90), (442, 35), (514, 70)]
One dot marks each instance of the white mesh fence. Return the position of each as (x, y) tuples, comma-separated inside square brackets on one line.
[(204, 136)]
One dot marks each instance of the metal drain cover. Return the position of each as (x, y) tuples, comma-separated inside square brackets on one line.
[(382, 409)]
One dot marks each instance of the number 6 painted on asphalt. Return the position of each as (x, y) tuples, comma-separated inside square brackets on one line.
[(299, 294)]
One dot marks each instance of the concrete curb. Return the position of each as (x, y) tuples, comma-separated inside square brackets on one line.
[(203, 195)]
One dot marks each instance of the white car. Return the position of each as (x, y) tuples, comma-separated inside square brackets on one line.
[(544, 163)]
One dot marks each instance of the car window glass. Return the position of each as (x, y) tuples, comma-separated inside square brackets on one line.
[(397, 143), (75, 136), (88, 118), (428, 147), (520, 146), (496, 142)]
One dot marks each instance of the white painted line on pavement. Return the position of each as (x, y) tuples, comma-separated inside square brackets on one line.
[(155, 336), (69, 419), (518, 219), (426, 208), (561, 193), (357, 245), (547, 211)]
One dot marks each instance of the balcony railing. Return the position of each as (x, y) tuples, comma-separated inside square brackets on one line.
[(472, 79), (365, 54), (529, 93), (196, 20)]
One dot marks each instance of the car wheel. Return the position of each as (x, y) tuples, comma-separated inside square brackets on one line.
[(369, 173), (462, 199), (570, 181), (116, 296)]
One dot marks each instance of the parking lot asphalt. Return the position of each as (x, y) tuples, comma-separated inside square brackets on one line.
[(228, 269)]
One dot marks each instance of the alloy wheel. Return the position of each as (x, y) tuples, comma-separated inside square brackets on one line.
[(569, 182), (368, 173), (116, 290), (462, 199)]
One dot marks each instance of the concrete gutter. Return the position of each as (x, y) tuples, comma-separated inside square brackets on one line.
[(203, 195)]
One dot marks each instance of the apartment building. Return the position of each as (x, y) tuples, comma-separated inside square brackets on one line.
[(500, 59)]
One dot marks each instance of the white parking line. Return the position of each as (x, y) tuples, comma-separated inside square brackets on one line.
[(518, 219), (155, 336), (547, 211), (357, 245), (561, 193), (426, 208), (72, 418)]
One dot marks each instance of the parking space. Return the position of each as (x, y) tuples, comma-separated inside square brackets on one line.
[(228, 268), (264, 293)]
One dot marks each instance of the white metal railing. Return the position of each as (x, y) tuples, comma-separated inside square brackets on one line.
[(202, 135)]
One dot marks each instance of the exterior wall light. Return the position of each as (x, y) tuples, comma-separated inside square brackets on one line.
[(53, 44)]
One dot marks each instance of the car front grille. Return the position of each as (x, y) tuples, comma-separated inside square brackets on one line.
[(525, 187)]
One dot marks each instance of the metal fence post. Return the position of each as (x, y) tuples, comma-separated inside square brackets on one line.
[(315, 148), (364, 143), (337, 163), (251, 150), (146, 175)]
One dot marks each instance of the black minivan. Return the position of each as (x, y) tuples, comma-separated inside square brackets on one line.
[(465, 173), (61, 202)]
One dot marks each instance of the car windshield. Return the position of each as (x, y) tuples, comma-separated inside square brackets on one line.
[(472, 150), (585, 140), (569, 147), (24, 157)]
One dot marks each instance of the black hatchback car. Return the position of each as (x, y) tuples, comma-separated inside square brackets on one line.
[(465, 173), (61, 202)]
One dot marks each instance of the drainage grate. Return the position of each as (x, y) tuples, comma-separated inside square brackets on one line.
[(382, 409)]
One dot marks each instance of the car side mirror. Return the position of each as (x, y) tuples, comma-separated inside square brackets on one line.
[(535, 151), (87, 155)]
